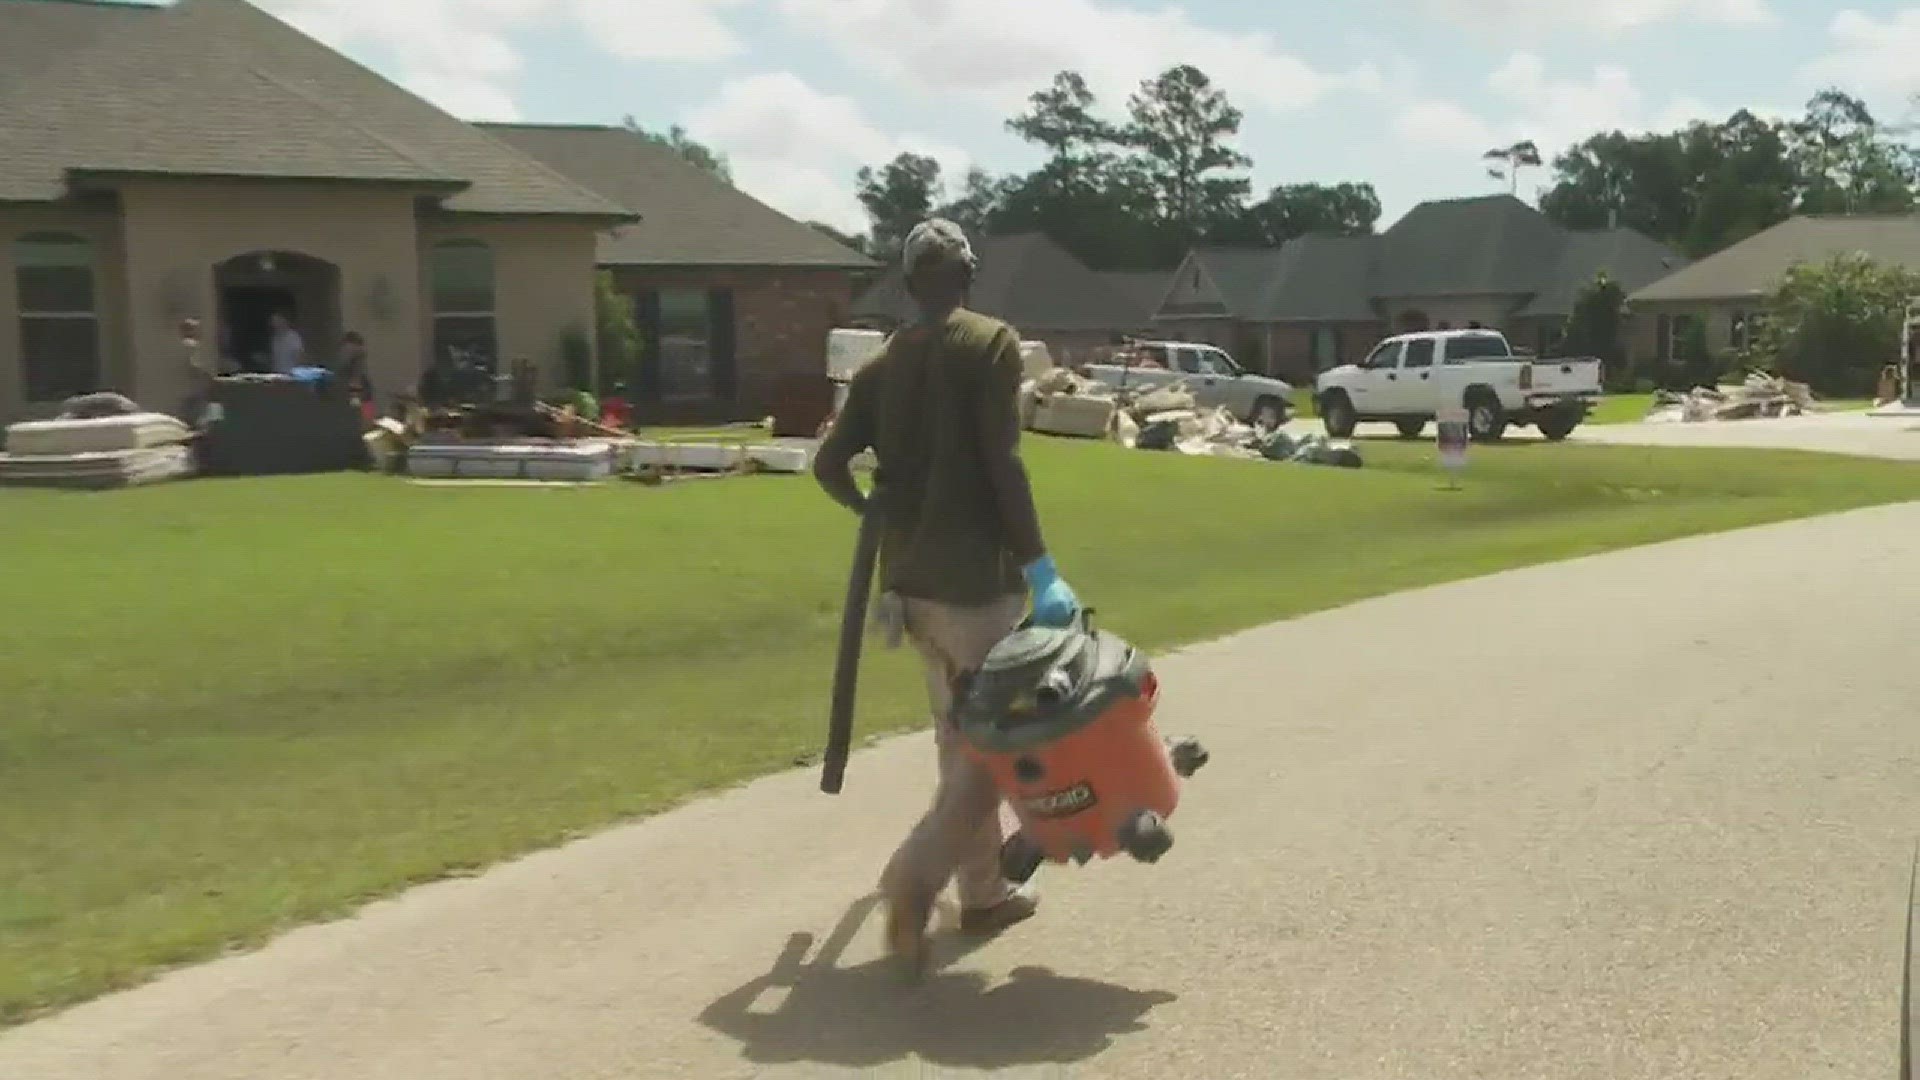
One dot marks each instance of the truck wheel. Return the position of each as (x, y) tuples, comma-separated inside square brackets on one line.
[(1410, 428), (1268, 413), (1557, 426), (1336, 412), (1145, 836), (1486, 419)]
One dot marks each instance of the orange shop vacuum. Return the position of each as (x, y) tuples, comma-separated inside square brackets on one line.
[(1063, 718)]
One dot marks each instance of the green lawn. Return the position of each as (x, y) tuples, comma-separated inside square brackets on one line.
[(1633, 408), (231, 706)]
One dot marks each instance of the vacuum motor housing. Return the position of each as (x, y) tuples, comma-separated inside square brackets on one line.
[(1063, 719)]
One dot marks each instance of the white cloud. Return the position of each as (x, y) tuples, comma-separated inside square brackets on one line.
[(1529, 17), (1554, 113), (459, 54), (999, 51), (797, 148), (1872, 57)]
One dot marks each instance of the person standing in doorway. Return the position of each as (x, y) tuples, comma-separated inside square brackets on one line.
[(289, 349), (961, 557)]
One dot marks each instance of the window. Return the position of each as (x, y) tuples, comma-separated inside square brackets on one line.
[(1420, 353), (689, 334), (1214, 362), (686, 345), (1552, 336), (1384, 357), (59, 332), (1467, 347), (463, 323), (1677, 338), (1326, 349)]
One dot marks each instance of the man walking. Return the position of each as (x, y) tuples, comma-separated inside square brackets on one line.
[(960, 556)]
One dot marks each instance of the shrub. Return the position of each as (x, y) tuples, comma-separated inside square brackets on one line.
[(1834, 325)]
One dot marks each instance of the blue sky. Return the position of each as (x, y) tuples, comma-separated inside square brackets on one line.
[(1403, 93)]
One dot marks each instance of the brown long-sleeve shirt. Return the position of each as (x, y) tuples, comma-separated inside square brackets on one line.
[(939, 409)]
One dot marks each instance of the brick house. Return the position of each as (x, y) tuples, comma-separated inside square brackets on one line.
[(1040, 289), (1724, 294), (205, 159), (1320, 301), (731, 296)]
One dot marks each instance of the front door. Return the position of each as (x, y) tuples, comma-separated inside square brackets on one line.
[(246, 323), (1379, 378), (1189, 360), (1410, 390)]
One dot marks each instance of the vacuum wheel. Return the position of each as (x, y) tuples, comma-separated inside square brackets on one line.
[(1019, 859), (1145, 836), (1188, 755)]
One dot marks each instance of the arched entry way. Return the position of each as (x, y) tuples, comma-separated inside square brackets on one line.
[(250, 288), (1412, 322)]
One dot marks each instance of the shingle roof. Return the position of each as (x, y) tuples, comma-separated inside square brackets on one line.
[(1146, 288), (220, 88), (1323, 279), (1630, 259), (1495, 246), (688, 218), (1242, 275), (1030, 282), (1491, 245), (1752, 267)]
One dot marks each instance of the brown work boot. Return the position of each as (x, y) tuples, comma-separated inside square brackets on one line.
[(1012, 911)]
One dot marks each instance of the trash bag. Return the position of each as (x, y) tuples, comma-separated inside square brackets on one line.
[(1278, 446), (97, 406), (1316, 450), (1158, 434)]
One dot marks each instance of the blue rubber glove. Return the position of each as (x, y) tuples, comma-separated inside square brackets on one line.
[(1054, 603)]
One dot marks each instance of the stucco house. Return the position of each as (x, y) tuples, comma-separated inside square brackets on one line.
[(1319, 301), (1724, 293), (1042, 290), (205, 159), (731, 296)]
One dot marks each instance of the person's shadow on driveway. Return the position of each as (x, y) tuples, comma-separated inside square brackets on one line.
[(864, 1017)]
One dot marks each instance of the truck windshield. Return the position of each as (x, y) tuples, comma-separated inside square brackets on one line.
[(1475, 347)]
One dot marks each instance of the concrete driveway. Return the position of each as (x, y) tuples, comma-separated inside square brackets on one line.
[(1648, 815), (1837, 433)]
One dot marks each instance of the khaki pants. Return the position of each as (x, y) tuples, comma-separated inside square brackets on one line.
[(959, 837)]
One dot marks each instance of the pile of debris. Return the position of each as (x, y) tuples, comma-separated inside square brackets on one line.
[(1761, 395), (99, 441), (1162, 418)]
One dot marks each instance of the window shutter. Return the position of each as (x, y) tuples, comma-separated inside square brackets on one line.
[(721, 343), (646, 313)]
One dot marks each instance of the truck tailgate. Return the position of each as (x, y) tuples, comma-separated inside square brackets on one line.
[(1564, 378)]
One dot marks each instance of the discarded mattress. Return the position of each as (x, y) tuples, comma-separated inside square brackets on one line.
[(100, 435), (99, 470), (588, 460), (1074, 414)]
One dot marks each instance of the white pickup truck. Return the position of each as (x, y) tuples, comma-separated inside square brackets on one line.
[(1409, 379), (1213, 377)]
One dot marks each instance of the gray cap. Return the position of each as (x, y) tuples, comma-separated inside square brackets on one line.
[(937, 238)]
